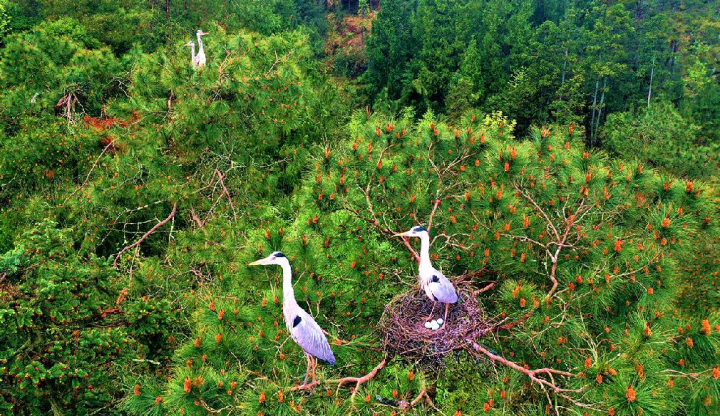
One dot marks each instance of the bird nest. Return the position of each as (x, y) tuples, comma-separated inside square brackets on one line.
[(402, 326)]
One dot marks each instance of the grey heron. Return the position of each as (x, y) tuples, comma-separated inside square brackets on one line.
[(191, 44), (437, 287), (200, 57), (302, 327)]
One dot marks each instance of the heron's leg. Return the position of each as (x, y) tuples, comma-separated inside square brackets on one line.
[(447, 306), (314, 366), (431, 311), (307, 371)]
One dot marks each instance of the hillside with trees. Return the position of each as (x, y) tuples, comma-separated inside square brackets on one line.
[(562, 156)]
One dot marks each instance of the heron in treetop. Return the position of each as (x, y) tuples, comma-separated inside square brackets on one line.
[(192, 52), (199, 59), (302, 327), (437, 287)]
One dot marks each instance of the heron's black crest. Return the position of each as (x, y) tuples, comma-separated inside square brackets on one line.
[(278, 254), (419, 229), (297, 321)]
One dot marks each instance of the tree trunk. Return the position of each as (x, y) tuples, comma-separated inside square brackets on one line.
[(562, 79), (167, 9), (652, 73), (592, 120), (600, 108)]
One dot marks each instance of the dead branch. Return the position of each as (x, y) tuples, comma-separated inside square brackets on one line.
[(359, 380), (227, 194), (146, 235)]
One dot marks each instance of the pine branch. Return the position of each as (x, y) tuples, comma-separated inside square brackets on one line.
[(561, 233), (422, 395), (534, 375), (227, 194), (146, 235), (359, 380), (87, 178), (432, 213)]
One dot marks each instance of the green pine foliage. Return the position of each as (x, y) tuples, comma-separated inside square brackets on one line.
[(612, 319), (663, 137)]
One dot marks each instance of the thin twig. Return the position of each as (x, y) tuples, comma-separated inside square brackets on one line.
[(146, 235), (222, 183), (87, 178)]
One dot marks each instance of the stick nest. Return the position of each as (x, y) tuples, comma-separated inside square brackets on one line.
[(402, 326)]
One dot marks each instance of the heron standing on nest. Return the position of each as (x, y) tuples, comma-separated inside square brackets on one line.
[(437, 287), (302, 327)]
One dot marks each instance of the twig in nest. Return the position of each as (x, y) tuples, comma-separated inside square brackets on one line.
[(402, 327), (146, 235), (359, 380)]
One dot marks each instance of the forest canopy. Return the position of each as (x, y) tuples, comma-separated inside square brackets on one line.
[(562, 156)]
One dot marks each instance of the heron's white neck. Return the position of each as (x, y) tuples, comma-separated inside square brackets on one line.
[(288, 292), (425, 250), (200, 44)]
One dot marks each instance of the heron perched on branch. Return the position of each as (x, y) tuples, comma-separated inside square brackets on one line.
[(191, 44), (302, 327), (199, 59), (437, 287)]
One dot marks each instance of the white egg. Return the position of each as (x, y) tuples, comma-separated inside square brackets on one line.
[(428, 325), (435, 326), (440, 321)]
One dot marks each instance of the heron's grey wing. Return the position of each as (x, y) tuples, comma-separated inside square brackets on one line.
[(308, 335), (442, 289)]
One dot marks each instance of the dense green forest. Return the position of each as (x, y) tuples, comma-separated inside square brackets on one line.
[(563, 155)]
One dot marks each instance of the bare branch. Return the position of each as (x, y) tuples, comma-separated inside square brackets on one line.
[(359, 380), (227, 194), (432, 213), (146, 235), (534, 375)]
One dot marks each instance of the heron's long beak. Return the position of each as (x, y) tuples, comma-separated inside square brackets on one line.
[(203, 33), (405, 234), (260, 262)]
